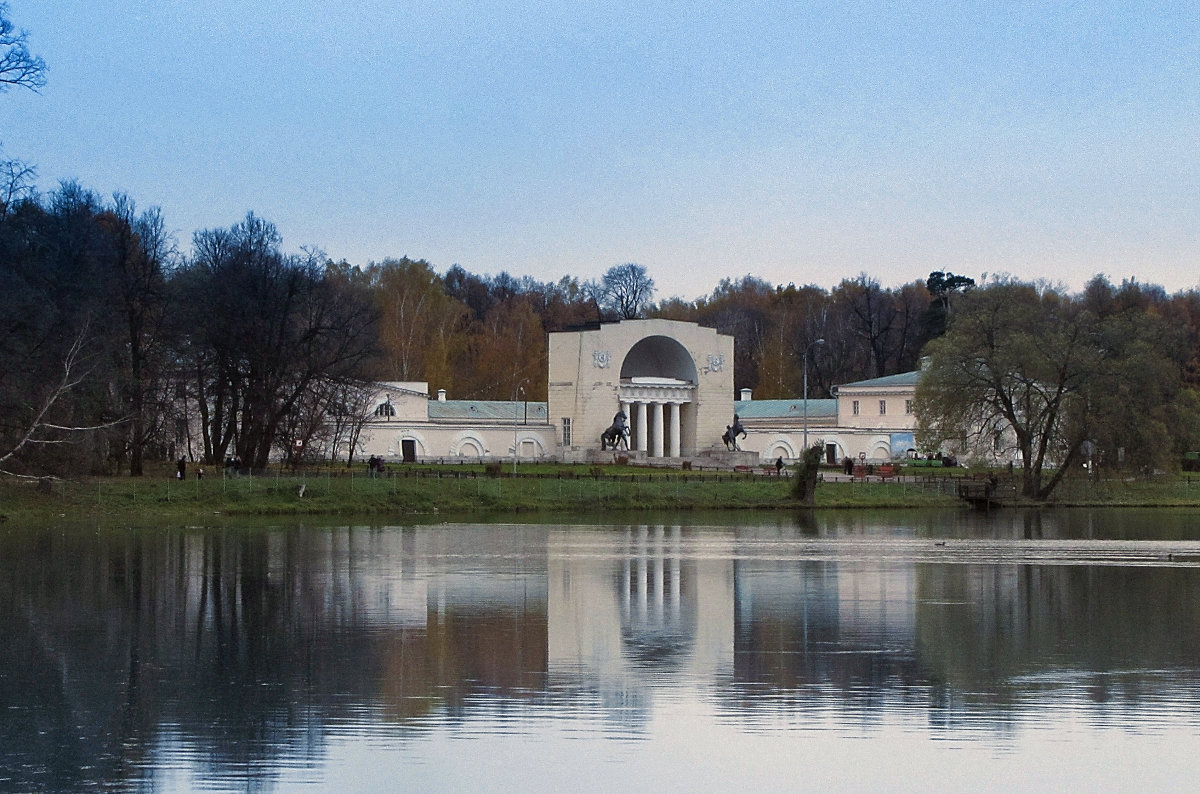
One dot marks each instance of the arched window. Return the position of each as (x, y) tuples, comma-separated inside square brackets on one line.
[(385, 409)]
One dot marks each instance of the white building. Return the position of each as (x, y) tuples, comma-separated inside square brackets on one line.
[(407, 425), (674, 383)]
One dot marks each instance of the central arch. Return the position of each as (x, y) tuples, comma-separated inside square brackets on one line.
[(658, 389), (659, 357)]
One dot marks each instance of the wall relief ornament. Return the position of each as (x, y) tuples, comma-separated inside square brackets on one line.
[(601, 359)]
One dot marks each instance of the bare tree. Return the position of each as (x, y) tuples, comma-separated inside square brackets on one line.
[(40, 425), (625, 291), (137, 254), (16, 183), (262, 328), (18, 66), (328, 419)]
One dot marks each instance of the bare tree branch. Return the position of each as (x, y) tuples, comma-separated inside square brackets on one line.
[(69, 380), (18, 66), (16, 182)]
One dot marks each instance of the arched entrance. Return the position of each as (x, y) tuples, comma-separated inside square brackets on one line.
[(657, 392)]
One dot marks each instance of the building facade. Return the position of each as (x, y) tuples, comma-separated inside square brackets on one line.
[(672, 381)]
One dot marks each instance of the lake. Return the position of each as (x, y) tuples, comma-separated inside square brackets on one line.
[(843, 651)]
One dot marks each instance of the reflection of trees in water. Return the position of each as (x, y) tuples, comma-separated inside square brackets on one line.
[(248, 644), (984, 637), (240, 641), (792, 633)]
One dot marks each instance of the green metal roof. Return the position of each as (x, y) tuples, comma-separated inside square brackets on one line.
[(516, 412), (784, 409), (900, 379)]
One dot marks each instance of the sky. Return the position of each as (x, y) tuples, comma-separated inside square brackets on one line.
[(797, 142)]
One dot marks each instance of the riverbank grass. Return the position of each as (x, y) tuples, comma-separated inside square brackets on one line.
[(541, 488), (449, 489)]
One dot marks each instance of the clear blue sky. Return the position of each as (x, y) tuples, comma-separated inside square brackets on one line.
[(796, 141)]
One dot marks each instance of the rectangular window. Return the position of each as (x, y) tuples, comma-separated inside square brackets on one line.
[(883, 407), (566, 431), (908, 406), (854, 407)]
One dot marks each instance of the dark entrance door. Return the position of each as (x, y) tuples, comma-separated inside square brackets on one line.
[(831, 453), (408, 449)]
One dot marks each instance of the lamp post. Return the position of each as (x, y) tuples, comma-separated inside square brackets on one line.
[(811, 345), (517, 392)]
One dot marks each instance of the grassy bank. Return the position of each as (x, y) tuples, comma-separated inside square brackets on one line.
[(540, 488), (448, 489)]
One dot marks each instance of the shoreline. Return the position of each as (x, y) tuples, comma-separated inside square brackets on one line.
[(462, 490)]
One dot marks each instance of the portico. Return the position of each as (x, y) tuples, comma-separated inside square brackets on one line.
[(655, 407), (673, 380)]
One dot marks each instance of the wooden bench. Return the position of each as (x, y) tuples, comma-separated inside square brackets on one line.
[(886, 472)]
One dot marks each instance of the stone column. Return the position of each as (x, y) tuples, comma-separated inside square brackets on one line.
[(674, 445), (656, 437), (641, 427)]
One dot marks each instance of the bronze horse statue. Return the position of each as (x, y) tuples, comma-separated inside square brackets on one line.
[(732, 432), (617, 433)]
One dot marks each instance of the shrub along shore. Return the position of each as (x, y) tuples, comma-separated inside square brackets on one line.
[(533, 488)]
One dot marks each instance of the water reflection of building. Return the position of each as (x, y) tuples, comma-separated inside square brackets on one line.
[(662, 606), (647, 609)]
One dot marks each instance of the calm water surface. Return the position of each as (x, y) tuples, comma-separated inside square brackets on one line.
[(843, 651)]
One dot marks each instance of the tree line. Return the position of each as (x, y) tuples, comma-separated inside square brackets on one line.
[(118, 346)]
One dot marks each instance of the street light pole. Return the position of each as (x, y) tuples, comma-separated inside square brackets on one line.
[(810, 347), (518, 392)]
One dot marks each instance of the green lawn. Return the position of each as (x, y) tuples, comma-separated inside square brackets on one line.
[(548, 488), (445, 489)]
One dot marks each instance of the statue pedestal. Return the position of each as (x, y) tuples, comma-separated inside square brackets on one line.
[(704, 459), (607, 456), (724, 458)]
